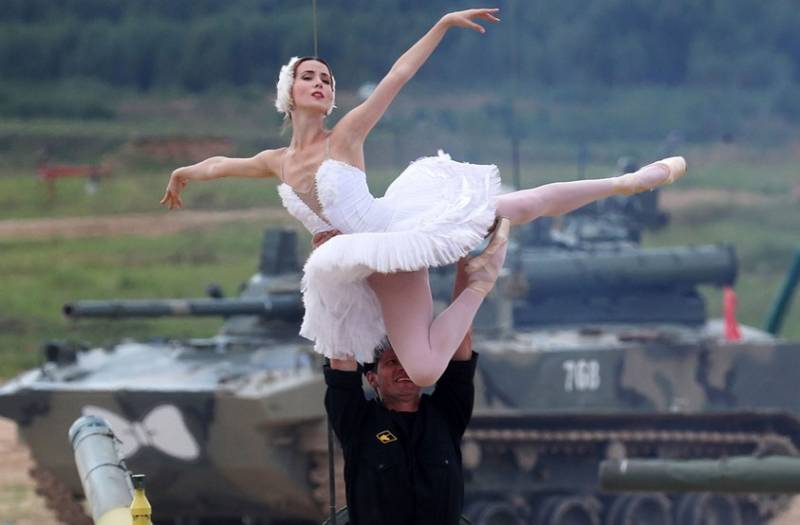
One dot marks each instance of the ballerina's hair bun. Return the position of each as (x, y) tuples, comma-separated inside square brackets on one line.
[(283, 99)]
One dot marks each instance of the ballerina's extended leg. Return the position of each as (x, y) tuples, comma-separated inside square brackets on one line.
[(562, 197), (558, 198), (425, 344)]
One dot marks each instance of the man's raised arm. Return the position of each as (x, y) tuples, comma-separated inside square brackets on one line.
[(464, 352)]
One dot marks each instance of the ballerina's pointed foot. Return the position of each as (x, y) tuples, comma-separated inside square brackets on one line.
[(665, 171), (483, 269)]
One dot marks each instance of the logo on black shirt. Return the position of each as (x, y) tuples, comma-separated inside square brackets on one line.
[(386, 437)]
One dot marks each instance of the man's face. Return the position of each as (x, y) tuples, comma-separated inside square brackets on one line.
[(390, 380)]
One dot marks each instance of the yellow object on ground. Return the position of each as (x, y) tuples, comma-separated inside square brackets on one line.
[(141, 511)]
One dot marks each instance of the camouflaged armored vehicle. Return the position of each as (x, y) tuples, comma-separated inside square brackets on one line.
[(603, 350), (227, 429), (592, 348)]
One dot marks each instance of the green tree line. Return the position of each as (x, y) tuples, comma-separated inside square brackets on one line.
[(199, 44)]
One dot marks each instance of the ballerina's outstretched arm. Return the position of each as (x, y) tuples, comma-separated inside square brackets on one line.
[(257, 166), (357, 124)]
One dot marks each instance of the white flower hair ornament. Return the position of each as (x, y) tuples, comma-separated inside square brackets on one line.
[(283, 100)]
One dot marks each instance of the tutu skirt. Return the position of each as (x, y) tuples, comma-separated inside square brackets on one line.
[(436, 211)]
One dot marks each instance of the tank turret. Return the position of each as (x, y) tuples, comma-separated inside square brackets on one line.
[(268, 303), (272, 293), (553, 272), (625, 284)]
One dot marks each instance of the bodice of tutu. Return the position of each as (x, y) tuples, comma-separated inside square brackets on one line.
[(346, 202)]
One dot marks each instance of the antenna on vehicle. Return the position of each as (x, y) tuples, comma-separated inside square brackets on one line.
[(314, 18)]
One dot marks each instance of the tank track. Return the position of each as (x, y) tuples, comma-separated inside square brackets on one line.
[(674, 444), (58, 498), (566, 440), (646, 442)]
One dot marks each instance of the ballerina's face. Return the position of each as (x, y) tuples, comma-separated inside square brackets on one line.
[(313, 86)]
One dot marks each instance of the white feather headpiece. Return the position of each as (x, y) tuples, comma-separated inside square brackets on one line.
[(283, 99)]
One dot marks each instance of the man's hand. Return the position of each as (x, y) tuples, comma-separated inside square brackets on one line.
[(322, 237), (346, 365), (464, 352)]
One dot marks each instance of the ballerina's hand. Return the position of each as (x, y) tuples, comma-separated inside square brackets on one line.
[(465, 18), (322, 237), (172, 196)]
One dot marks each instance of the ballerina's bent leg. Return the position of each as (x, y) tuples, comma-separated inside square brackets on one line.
[(424, 344)]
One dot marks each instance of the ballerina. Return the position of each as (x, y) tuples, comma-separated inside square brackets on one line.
[(371, 280)]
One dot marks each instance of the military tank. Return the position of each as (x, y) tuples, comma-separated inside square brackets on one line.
[(603, 350), (592, 348), (228, 429)]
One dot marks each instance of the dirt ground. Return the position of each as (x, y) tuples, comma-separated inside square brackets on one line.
[(144, 224), (156, 224), (19, 504)]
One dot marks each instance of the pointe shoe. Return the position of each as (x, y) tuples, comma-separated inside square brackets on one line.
[(676, 167), (482, 270), (630, 183)]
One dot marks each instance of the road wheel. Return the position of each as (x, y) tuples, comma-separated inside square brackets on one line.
[(493, 513), (572, 510), (708, 509), (640, 509)]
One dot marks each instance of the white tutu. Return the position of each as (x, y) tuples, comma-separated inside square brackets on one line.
[(433, 214)]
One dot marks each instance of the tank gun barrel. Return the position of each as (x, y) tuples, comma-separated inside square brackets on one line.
[(771, 474), (558, 272), (288, 307)]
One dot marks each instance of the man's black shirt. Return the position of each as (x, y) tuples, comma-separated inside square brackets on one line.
[(403, 468)]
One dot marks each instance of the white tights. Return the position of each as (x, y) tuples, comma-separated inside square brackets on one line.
[(424, 344)]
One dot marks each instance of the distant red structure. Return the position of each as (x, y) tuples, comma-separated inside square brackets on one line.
[(49, 173), (173, 148), (729, 303), (168, 149)]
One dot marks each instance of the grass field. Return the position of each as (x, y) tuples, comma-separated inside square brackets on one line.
[(47, 274), (739, 194)]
